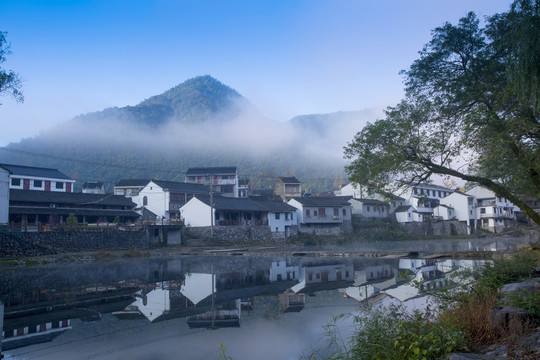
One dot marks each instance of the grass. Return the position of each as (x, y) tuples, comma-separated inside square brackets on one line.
[(458, 322)]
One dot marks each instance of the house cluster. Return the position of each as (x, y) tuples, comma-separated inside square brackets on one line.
[(477, 207), (32, 198)]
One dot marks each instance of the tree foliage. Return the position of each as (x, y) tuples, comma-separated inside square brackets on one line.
[(10, 82), (472, 110)]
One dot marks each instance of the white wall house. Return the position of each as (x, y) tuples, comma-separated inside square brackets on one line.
[(223, 180), (165, 198), (423, 197), (368, 208), (444, 212), (4, 195), (278, 216), (464, 208), (493, 213), (37, 178), (323, 215), (407, 213)]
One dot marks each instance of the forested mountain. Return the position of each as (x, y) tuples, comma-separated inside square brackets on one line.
[(200, 122)]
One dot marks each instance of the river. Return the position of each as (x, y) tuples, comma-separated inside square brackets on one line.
[(260, 306)]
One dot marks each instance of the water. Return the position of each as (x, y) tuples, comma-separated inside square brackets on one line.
[(260, 307)]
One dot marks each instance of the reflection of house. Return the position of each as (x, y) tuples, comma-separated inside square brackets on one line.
[(37, 178), (493, 213), (281, 271), (4, 195), (323, 215), (291, 302), (224, 315), (288, 187), (314, 277), (222, 180), (93, 187), (33, 208), (34, 334)]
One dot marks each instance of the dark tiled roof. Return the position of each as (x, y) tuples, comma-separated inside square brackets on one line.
[(370, 202), (92, 185), (275, 206), (323, 201), (20, 170), (225, 203), (174, 186), (53, 197), (132, 182), (403, 208), (211, 170), (31, 210), (289, 180)]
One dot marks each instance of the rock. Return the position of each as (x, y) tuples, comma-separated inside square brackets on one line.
[(510, 319), (524, 246), (528, 286)]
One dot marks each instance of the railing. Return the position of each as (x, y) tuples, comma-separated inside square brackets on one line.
[(242, 222)]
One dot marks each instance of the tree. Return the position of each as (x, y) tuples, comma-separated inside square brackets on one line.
[(10, 83), (472, 110)]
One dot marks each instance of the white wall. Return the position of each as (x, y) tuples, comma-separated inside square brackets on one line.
[(158, 200), (460, 203), (196, 213), (4, 196), (281, 222)]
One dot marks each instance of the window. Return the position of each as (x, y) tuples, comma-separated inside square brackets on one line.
[(38, 183), (322, 212), (277, 216), (336, 212), (314, 212), (344, 212), (367, 207), (145, 201), (59, 185), (15, 182), (482, 210), (286, 216), (440, 195), (307, 212)]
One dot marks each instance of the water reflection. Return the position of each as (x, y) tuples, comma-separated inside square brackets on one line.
[(109, 310)]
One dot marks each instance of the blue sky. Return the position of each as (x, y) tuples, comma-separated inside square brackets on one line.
[(287, 57)]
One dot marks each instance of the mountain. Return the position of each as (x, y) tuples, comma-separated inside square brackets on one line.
[(200, 122), (194, 101)]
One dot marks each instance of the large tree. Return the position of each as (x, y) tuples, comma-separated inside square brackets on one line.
[(10, 83), (472, 110)]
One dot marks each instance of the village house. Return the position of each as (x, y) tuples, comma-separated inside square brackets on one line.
[(32, 209), (407, 213), (129, 187), (464, 208), (4, 195), (221, 180), (288, 187), (278, 216), (93, 187), (369, 208), (323, 215), (423, 197), (161, 198), (37, 178), (493, 213)]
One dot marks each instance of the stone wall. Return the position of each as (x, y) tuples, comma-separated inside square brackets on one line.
[(47, 243), (438, 228), (327, 229), (233, 234)]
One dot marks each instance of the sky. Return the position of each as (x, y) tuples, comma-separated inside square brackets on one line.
[(287, 57)]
